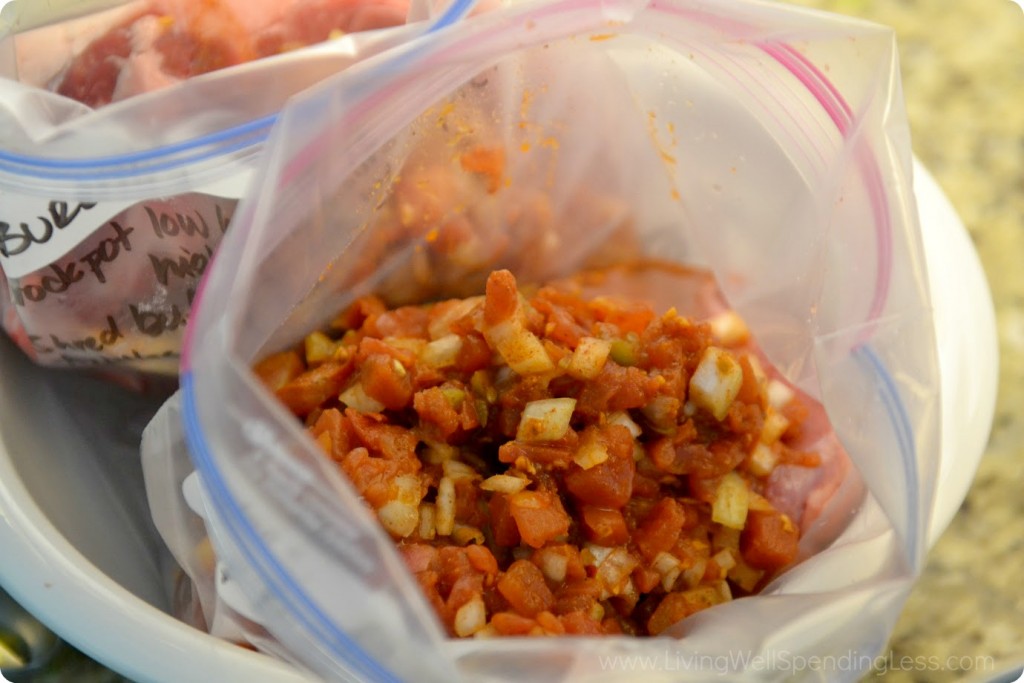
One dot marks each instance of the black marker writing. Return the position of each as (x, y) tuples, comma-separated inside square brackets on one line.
[(223, 219), (156, 323), (58, 282), (17, 239), (108, 250), (109, 336), (167, 225), (189, 265)]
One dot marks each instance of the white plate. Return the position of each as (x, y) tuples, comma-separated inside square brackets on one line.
[(78, 550)]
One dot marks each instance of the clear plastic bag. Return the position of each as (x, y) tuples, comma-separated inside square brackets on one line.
[(766, 143), (109, 216)]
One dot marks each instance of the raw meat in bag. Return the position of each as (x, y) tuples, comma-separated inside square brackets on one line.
[(763, 143), (109, 216), (141, 47)]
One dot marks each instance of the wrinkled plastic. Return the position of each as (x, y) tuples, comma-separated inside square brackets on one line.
[(109, 217), (766, 143)]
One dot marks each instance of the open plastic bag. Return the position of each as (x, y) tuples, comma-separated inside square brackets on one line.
[(109, 216), (766, 143)]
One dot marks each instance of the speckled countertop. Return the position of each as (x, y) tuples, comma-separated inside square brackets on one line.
[(962, 66)]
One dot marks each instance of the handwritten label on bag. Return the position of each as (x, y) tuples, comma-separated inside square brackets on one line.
[(37, 231), (122, 294)]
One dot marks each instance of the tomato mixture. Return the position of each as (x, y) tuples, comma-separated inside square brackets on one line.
[(555, 464)]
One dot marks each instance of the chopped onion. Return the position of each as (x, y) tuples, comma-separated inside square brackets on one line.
[(669, 568), (471, 617), (504, 483), (443, 352), (716, 382), (590, 454), (441, 326), (411, 344), (319, 348), (779, 395), (731, 500), (445, 501), (407, 489), (545, 420), (725, 559), (554, 565), (775, 425), (589, 358), (488, 631), (662, 412), (623, 419), (593, 555), (521, 350), (438, 452), (428, 519), (745, 576), (355, 397), (400, 519), (693, 574), (464, 534), (729, 329), (614, 571), (455, 470), (763, 460)]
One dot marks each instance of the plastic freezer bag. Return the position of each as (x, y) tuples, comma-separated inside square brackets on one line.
[(766, 143), (109, 213)]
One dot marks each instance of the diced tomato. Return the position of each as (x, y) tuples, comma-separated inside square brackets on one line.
[(523, 586), (407, 321), (560, 556), (337, 426), (694, 458), (389, 440), (502, 298), (482, 559), (452, 564), (353, 317), (609, 484), (467, 498), (385, 380), (578, 596), (368, 346), (769, 541), (627, 316), (503, 524), (594, 486), (551, 624), (646, 579), (750, 390), (474, 355), (465, 588), (551, 453), (280, 368), (309, 390), (512, 624), (434, 408), (660, 530), (488, 162), (373, 477), (418, 556), (677, 606), (580, 624), (617, 388), (539, 516), (603, 526)]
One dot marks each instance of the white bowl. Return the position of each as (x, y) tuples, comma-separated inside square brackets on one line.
[(80, 552)]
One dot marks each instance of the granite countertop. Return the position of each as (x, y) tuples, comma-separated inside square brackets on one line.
[(962, 66)]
